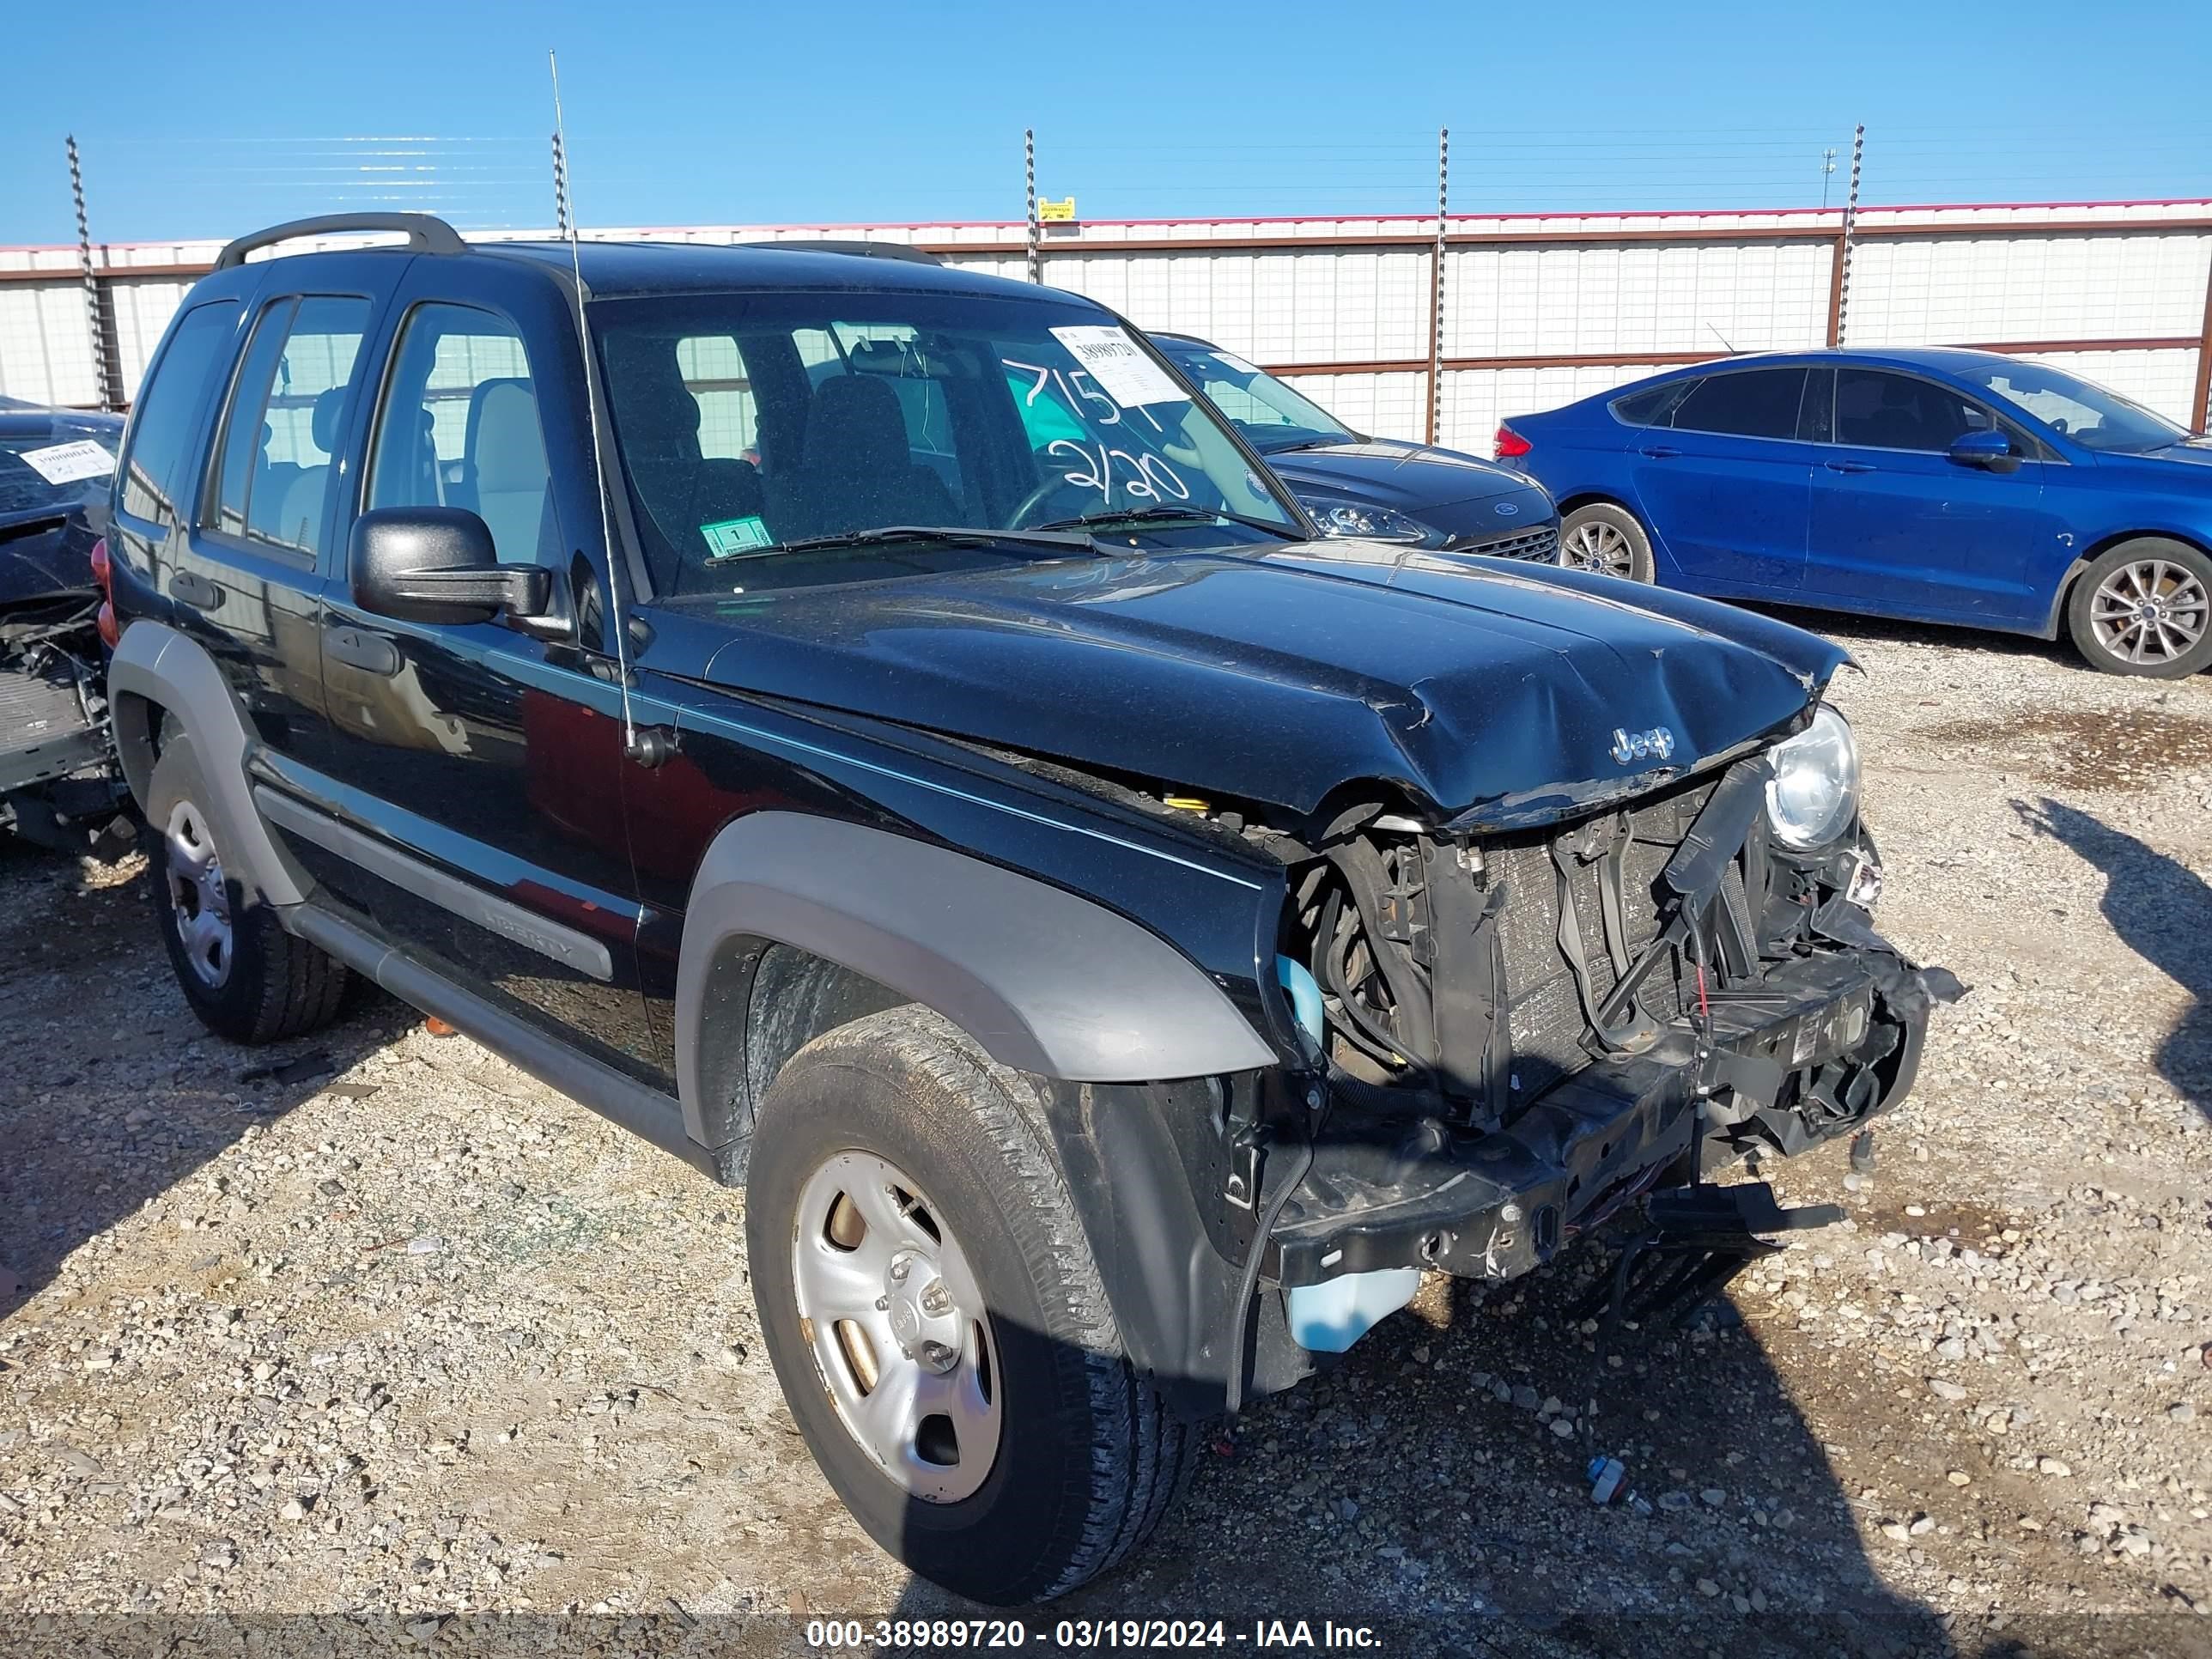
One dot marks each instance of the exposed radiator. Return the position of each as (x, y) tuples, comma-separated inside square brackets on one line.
[(1545, 1011)]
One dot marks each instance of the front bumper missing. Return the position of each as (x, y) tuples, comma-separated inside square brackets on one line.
[(1810, 1051)]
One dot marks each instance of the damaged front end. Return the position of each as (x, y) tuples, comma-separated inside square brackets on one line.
[(1524, 1029), (59, 784)]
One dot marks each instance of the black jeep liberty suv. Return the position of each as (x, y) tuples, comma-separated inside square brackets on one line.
[(873, 731)]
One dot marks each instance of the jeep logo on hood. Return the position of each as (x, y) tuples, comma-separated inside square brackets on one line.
[(1657, 744)]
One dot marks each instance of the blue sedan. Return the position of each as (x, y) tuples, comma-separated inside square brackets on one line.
[(1943, 486)]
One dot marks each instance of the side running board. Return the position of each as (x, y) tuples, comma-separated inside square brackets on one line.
[(645, 1112)]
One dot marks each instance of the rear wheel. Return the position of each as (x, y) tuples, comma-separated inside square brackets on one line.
[(1606, 539), (937, 1320), (243, 975), (2144, 608)]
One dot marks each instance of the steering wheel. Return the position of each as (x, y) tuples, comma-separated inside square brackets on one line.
[(1031, 510)]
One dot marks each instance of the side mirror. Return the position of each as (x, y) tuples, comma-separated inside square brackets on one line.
[(437, 565), (1988, 448)]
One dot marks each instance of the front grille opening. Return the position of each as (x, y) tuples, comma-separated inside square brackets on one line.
[(1374, 923), (1539, 546)]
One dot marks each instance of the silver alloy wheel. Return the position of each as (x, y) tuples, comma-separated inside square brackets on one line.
[(198, 896), (2150, 611), (897, 1325), (1594, 544)]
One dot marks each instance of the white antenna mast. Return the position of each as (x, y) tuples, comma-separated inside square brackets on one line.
[(630, 744)]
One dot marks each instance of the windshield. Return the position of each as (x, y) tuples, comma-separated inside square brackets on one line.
[(56, 467), (2091, 415), (1270, 414), (751, 422)]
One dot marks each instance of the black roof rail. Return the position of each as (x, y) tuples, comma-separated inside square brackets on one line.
[(425, 234), (865, 250)]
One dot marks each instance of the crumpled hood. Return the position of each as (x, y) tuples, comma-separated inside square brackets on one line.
[(1405, 475), (1484, 689)]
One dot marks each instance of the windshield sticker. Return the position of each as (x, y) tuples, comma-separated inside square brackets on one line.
[(61, 464), (1236, 362), (730, 537), (1122, 367)]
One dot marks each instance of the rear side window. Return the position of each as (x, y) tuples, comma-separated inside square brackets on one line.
[(162, 430), (460, 427), (1648, 407), (1759, 402), (281, 435)]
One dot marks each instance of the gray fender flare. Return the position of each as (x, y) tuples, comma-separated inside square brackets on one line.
[(154, 662), (1047, 982)]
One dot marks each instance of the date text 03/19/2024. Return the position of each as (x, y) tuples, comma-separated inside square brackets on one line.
[(1262, 1634)]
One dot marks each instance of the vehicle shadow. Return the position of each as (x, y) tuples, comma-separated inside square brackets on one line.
[(1430, 1490), (106, 1104), (1851, 625), (2162, 911)]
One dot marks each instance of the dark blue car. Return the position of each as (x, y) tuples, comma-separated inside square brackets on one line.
[(1374, 489), (1943, 486)]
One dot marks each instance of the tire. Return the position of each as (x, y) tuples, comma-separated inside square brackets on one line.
[(1607, 539), (1069, 1460), (244, 976), (2144, 608)]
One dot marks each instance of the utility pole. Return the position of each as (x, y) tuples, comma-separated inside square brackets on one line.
[(1851, 228), (560, 187), (1827, 170), (1436, 284), (102, 372), (1028, 170)]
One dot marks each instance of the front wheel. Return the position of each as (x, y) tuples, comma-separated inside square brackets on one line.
[(937, 1320), (1606, 539), (2145, 608)]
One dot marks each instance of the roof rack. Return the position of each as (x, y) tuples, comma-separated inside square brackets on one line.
[(865, 250), (425, 234)]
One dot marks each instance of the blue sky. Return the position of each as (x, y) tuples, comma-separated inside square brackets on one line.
[(691, 111)]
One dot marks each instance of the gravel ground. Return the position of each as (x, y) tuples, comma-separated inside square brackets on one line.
[(337, 1342)]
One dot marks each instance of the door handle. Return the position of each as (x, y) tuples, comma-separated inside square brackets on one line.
[(1659, 452), (1848, 466), (357, 647), (195, 589)]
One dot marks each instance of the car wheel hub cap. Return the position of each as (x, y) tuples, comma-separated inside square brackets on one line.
[(199, 898), (896, 1325), (1597, 546), (2150, 611)]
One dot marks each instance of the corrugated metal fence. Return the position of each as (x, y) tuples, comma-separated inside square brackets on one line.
[(1537, 310)]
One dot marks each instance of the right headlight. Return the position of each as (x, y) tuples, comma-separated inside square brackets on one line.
[(1368, 522), (1814, 792)]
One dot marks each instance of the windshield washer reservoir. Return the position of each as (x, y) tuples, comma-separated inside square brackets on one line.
[(1329, 1317)]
